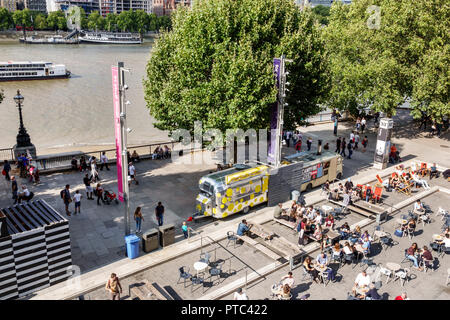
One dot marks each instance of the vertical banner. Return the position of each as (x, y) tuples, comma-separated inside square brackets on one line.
[(274, 114), (383, 143), (116, 103)]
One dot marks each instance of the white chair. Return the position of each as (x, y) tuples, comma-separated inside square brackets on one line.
[(427, 264), (386, 272), (421, 182), (424, 218), (402, 275), (442, 212)]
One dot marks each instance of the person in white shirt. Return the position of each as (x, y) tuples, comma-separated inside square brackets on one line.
[(289, 280), (239, 295), (77, 201), (318, 219), (132, 172), (447, 241), (418, 207), (356, 140), (352, 136), (103, 161), (362, 282), (363, 124)]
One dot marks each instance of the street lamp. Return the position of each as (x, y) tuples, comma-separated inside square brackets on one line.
[(23, 138)]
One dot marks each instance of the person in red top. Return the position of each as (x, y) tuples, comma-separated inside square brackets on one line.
[(403, 296)]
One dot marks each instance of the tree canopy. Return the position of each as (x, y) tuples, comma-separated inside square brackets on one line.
[(404, 55), (216, 65), (6, 20)]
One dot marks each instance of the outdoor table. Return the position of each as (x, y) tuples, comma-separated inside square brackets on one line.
[(200, 266), (321, 270), (393, 267), (438, 238), (402, 221), (380, 234), (326, 209)]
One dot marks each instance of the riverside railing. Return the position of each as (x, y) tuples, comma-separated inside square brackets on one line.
[(6, 154)]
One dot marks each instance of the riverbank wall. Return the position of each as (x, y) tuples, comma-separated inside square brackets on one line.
[(8, 35)]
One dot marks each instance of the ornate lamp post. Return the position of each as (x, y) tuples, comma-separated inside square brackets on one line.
[(23, 138)]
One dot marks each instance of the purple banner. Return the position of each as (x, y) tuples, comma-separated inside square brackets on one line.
[(274, 114)]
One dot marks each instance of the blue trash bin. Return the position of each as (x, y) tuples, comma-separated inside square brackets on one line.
[(132, 244)]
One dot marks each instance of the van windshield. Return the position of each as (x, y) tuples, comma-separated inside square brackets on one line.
[(206, 189)]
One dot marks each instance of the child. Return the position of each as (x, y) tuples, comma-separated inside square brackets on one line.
[(77, 200), (185, 229)]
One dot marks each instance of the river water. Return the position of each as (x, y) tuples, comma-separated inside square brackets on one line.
[(76, 113)]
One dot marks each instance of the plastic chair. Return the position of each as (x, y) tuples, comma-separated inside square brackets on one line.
[(441, 212), (306, 274), (216, 271), (231, 236), (197, 280), (406, 259), (184, 275), (403, 275), (204, 257), (386, 272)]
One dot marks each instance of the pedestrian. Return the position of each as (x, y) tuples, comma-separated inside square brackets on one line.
[(159, 212), (352, 136), (309, 143), (14, 189), (6, 170), (356, 140), (239, 295), (132, 172), (113, 286), (83, 164), (77, 200), (103, 161), (288, 138), (185, 230), (87, 182), (343, 146), (138, 218), (335, 126), (74, 164), (65, 195), (99, 193), (364, 142), (94, 172), (338, 145), (350, 149), (298, 145), (326, 146), (358, 124), (363, 125)]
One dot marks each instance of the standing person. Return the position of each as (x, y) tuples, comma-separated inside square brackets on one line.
[(65, 195), (350, 149), (309, 143), (298, 145), (83, 164), (14, 189), (358, 124), (363, 125), (6, 169), (113, 286), (364, 142), (338, 145), (99, 192), (159, 213), (335, 127), (103, 161), (87, 182), (343, 146), (356, 140), (184, 228), (94, 172), (138, 218), (352, 136), (132, 172), (288, 138), (77, 200)]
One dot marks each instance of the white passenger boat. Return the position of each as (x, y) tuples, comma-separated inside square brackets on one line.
[(56, 39), (110, 37), (31, 70)]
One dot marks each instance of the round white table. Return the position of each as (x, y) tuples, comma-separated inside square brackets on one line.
[(200, 266), (438, 238), (380, 234), (393, 266), (326, 209)]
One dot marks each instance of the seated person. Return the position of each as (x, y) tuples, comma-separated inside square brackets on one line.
[(307, 264), (74, 164), (311, 213), (349, 184), (334, 195), (329, 222), (410, 226), (135, 157), (434, 171), (344, 231), (372, 294), (25, 194), (156, 153), (349, 250), (325, 243), (322, 259), (243, 228), (413, 255), (292, 216), (362, 283), (288, 279), (426, 257), (446, 241), (368, 193), (278, 211), (446, 232), (366, 245), (326, 186), (83, 164), (166, 152), (318, 219), (365, 235), (318, 232), (355, 235), (337, 251), (341, 187), (283, 291)]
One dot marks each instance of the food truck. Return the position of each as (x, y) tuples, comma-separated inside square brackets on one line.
[(317, 169), (243, 186)]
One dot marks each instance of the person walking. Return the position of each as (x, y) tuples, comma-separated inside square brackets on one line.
[(159, 212), (364, 142), (132, 172), (363, 125), (338, 145), (309, 143), (343, 146), (138, 218), (356, 140), (184, 228), (350, 149), (103, 161), (65, 195), (114, 287), (6, 170), (94, 172), (77, 200), (87, 182), (14, 189), (99, 193)]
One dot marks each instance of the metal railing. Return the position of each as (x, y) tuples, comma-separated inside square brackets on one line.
[(6, 154)]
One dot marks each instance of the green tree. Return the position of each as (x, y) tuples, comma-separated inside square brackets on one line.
[(22, 18), (126, 21), (110, 21), (6, 20), (40, 22), (142, 21), (95, 21), (405, 54), (322, 13), (56, 19), (164, 23), (216, 65), (153, 22)]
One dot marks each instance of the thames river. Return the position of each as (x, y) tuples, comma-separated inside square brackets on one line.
[(76, 113)]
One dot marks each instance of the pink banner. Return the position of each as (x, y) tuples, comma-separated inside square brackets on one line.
[(116, 102)]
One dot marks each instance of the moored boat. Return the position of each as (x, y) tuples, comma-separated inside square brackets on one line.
[(110, 37), (32, 70)]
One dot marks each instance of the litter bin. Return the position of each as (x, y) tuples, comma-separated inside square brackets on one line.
[(150, 240), (132, 244), (166, 235), (295, 194)]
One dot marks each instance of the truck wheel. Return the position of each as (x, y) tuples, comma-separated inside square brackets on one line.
[(246, 209), (339, 176), (309, 187)]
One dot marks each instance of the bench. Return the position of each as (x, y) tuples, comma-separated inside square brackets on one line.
[(260, 247), (148, 290), (286, 223), (360, 211)]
